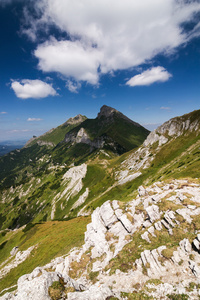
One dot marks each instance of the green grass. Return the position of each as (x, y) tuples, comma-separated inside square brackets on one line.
[(56, 135), (125, 259), (52, 239)]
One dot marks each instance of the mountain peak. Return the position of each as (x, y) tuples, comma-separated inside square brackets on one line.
[(106, 111), (75, 120)]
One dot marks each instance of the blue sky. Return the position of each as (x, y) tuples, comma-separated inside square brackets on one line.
[(59, 58)]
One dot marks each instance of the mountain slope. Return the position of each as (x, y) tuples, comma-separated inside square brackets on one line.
[(35, 181), (143, 240), (56, 135), (145, 249), (170, 144)]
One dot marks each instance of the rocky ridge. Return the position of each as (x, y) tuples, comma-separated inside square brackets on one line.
[(108, 112), (75, 120), (82, 137), (72, 180), (149, 245), (142, 158)]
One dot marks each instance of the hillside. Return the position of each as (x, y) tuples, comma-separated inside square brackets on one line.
[(141, 209), (56, 135), (49, 167)]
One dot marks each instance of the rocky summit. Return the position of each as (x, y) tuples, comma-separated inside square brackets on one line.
[(102, 225)]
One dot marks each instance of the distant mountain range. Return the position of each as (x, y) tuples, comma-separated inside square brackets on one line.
[(7, 146)]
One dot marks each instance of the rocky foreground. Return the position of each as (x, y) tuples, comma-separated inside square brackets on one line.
[(149, 247)]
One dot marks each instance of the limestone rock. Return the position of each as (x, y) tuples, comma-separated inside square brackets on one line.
[(95, 235), (14, 251), (153, 213), (107, 214), (75, 120), (95, 292), (158, 225), (194, 268), (124, 220), (35, 287), (196, 244), (185, 245), (142, 191), (20, 257), (145, 236)]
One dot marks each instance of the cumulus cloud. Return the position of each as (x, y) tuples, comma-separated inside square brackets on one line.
[(3, 112), (32, 89), (72, 59), (108, 36), (156, 74), (34, 119)]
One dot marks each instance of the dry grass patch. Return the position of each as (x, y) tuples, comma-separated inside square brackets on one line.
[(56, 290), (78, 268), (167, 253), (109, 236), (165, 205)]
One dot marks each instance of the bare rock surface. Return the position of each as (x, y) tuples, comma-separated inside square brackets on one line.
[(73, 181), (113, 226), (18, 258)]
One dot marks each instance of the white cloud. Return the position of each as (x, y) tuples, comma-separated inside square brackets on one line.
[(72, 59), (34, 119), (165, 108), (19, 130), (73, 86), (3, 113), (157, 74), (109, 35), (32, 89)]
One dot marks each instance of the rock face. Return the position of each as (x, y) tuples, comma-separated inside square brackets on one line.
[(18, 258), (173, 127), (153, 218), (106, 111), (143, 157), (83, 137), (76, 120), (73, 181)]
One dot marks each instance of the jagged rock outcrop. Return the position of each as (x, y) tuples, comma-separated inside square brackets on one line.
[(35, 286), (174, 127), (83, 137), (108, 112), (94, 292), (17, 257), (143, 157), (39, 141), (73, 181), (152, 216), (75, 120)]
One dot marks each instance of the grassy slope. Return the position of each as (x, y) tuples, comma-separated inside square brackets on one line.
[(179, 158), (52, 239), (122, 131), (56, 135)]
